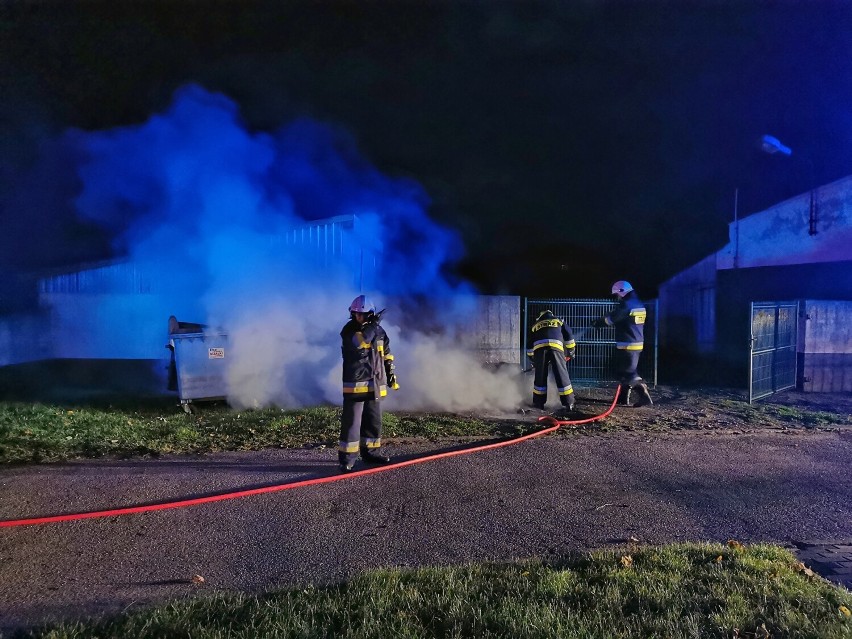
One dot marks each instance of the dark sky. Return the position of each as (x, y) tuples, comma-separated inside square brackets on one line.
[(606, 137)]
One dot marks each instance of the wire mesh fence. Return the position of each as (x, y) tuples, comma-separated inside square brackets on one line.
[(774, 331), (593, 364)]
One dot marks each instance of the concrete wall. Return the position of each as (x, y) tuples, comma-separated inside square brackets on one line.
[(826, 351), (780, 235), (498, 329)]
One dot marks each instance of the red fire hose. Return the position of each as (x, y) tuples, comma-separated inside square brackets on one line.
[(182, 503)]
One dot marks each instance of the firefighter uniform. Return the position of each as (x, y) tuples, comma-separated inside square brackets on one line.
[(368, 369), (551, 344), (628, 320)]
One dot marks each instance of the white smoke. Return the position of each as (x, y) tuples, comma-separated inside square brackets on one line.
[(201, 203)]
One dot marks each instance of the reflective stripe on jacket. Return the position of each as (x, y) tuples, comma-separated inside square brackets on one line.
[(365, 349), (628, 319), (551, 332)]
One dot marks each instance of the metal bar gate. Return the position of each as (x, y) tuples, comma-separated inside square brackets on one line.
[(593, 364), (774, 341)]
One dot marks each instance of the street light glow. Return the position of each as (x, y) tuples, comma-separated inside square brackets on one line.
[(771, 144)]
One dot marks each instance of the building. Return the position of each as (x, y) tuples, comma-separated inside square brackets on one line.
[(798, 250)]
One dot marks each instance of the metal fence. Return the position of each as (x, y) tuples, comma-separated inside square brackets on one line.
[(772, 361), (593, 364)]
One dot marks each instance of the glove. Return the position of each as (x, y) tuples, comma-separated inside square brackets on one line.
[(378, 316), (390, 373), (599, 323)]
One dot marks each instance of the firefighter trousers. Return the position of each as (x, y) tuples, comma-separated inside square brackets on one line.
[(543, 360), (360, 429), (626, 365)]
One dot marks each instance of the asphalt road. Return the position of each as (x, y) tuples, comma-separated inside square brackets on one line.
[(541, 497)]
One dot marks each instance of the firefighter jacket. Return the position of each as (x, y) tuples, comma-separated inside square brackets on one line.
[(628, 319), (367, 359), (550, 332)]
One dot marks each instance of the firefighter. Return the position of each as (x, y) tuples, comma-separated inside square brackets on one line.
[(628, 320), (551, 344), (368, 370)]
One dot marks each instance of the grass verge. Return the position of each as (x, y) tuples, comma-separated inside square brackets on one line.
[(36, 433), (682, 590)]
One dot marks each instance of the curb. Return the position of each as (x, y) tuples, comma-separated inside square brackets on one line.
[(830, 559)]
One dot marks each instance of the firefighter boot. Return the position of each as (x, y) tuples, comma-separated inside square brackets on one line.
[(624, 396), (346, 465), (370, 457), (644, 396), (565, 411)]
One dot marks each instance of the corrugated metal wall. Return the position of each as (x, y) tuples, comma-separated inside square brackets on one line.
[(333, 242), (116, 277)]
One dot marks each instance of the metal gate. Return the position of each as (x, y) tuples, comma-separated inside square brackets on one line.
[(593, 364), (772, 360)]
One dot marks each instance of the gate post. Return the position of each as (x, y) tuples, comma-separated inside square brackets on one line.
[(751, 353)]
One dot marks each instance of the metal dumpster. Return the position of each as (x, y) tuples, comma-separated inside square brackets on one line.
[(198, 362)]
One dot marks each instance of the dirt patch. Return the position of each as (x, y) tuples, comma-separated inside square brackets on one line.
[(707, 408)]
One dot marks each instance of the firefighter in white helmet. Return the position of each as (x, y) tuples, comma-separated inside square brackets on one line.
[(628, 320), (368, 371)]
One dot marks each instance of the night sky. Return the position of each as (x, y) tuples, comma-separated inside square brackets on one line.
[(570, 143)]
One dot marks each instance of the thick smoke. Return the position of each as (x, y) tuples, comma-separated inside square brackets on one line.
[(202, 204)]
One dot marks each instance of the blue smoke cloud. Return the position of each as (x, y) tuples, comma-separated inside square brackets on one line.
[(205, 210), (193, 191)]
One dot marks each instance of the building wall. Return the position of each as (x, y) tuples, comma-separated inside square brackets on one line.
[(780, 235), (771, 256), (24, 338), (826, 351), (498, 329), (87, 342), (107, 326), (737, 288), (688, 309)]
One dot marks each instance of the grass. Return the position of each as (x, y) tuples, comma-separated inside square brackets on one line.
[(39, 433), (682, 590), (757, 414), (36, 433)]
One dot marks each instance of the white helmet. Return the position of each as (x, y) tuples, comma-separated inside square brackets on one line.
[(362, 305), (621, 288)]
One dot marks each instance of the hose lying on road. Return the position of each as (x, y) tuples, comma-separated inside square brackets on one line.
[(182, 503)]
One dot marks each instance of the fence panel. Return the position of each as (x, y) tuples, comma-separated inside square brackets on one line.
[(593, 364), (772, 360)]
